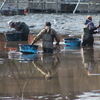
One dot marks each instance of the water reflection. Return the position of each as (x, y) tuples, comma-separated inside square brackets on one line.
[(90, 95), (88, 59), (47, 65), (72, 47), (72, 74), (20, 56), (21, 73)]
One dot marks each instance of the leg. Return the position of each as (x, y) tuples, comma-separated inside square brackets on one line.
[(91, 42), (47, 50), (84, 43)]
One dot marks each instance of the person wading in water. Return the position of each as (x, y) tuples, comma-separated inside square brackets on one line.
[(47, 35), (88, 31)]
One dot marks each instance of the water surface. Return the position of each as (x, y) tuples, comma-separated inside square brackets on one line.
[(71, 74)]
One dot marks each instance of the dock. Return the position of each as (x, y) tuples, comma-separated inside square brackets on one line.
[(17, 7)]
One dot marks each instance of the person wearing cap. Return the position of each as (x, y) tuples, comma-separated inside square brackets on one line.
[(47, 35), (20, 27), (88, 31)]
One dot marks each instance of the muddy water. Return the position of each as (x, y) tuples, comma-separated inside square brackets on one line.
[(71, 74)]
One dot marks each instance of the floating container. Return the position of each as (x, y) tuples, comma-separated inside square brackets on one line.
[(13, 36), (72, 41), (25, 48)]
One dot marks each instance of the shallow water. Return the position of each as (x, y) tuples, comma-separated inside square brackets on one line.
[(64, 23), (71, 74)]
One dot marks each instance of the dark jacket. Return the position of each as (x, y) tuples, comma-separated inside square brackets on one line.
[(23, 29), (88, 30)]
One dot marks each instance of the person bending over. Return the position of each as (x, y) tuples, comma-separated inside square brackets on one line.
[(20, 27)]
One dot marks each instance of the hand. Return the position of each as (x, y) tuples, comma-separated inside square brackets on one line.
[(98, 32), (8, 32), (98, 26), (58, 47), (57, 43), (32, 43)]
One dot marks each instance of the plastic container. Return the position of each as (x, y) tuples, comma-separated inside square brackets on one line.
[(25, 48), (13, 36), (72, 41)]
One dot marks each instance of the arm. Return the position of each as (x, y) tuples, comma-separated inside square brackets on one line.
[(39, 36), (92, 28), (56, 37)]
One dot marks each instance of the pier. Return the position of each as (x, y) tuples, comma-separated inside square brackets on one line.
[(17, 7)]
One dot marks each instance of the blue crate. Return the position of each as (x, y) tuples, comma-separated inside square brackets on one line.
[(25, 48), (13, 36), (72, 41)]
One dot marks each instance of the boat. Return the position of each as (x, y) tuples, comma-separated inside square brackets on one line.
[(72, 41), (28, 49)]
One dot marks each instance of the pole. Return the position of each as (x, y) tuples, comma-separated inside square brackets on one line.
[(17, 7), (76, 6), (56, 6), (3, 4)]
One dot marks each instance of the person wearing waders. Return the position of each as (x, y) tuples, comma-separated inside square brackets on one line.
[(47, 35), (20, 27), (88, 31)]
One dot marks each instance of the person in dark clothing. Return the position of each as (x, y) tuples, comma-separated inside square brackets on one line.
[(47, 35), (21, 28), (88, 31)]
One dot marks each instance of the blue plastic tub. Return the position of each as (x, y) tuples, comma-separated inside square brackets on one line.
[(72, 41), (25, 48), (13, 36)]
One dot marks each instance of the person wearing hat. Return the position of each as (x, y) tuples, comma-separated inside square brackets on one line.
[(88, 31), (21, 28), (47, 35)]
